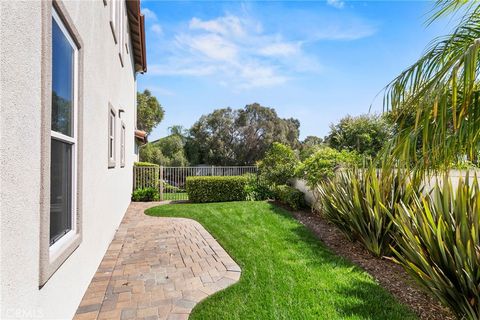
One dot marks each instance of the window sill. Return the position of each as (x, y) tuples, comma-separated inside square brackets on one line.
[(58, 253)]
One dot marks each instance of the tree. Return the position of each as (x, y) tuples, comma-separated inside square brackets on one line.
[(279, 164), (153, 154), (364, 134), (239, 137), (322, 165), (309, 146), (149, 111), (442, 89), (168, 151)]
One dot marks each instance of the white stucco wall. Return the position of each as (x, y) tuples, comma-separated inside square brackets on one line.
[(106, 192)]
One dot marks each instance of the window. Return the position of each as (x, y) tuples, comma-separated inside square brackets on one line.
[(63, 153), (122, 146), (111, 137), (121, 30), (114, 5)]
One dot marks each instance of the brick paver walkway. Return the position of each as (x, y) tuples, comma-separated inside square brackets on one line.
[(156, 268)]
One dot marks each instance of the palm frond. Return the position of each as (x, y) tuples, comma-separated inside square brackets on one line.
[(443, 91)]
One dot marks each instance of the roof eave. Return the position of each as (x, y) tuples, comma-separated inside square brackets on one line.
[(137, 35)]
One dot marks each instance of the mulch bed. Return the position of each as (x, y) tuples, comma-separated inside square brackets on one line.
[(388, 274)]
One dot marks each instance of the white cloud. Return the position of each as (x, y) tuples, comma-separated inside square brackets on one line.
[(227, 25), (157, 29), (261, 76), (160, 91), (182, 69), (210, 45), (336, 3), (280, 49), (237, 52), (149, 14)]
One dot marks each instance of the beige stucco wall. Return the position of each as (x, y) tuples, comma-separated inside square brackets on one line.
[(106, 192), (454, 178)]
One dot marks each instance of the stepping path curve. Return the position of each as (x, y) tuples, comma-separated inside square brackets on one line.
[(156, 268)]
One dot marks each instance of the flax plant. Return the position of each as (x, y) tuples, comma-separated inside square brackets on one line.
[(437, 238), (361, 204)]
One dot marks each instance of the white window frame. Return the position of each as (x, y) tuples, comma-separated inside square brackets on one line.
[(114, 18), (64, 241), (122, 145), (112, 116), (121, 31)]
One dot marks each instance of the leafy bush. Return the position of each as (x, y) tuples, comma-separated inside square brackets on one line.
[(290, 196), (323, 163), (147, 174), (257, 188), (167, 187), (438, 244), (278, 165), (362, 202), (216, 189), (146, 194), (365, 134)]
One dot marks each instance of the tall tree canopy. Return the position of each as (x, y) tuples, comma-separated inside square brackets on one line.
[(239, 137), (309, 146), (149, 111), (442, 88), (167, 151), (365, 134)]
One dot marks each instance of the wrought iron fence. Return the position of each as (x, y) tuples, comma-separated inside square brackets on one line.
[(171, 181)]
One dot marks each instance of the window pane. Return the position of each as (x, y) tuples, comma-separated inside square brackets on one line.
[(60, 189), (110, 149), (62, 81), (111, 124)]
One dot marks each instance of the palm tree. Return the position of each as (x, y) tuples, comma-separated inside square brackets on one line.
[(442, 91)]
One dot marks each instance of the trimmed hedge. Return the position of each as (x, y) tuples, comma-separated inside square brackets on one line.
[(216, 189), (290, 196), (145, 164)]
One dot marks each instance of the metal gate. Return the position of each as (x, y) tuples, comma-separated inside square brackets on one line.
[(171, 181)]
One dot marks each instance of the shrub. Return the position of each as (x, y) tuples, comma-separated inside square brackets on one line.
[(145, 164), (323, 163), (216, 189), (290, 196), (167, 187), (438, 244), (146, 174), (257, 188), (362, 202), (145, 194), (278, 165)]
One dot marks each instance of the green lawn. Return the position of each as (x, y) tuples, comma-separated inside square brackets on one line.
[(175, 196), (286, 272)]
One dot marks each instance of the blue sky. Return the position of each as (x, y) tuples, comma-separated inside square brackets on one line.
[(316, 61)]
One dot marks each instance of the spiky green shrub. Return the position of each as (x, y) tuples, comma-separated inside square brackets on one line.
[(361, 204), (438, 244)]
